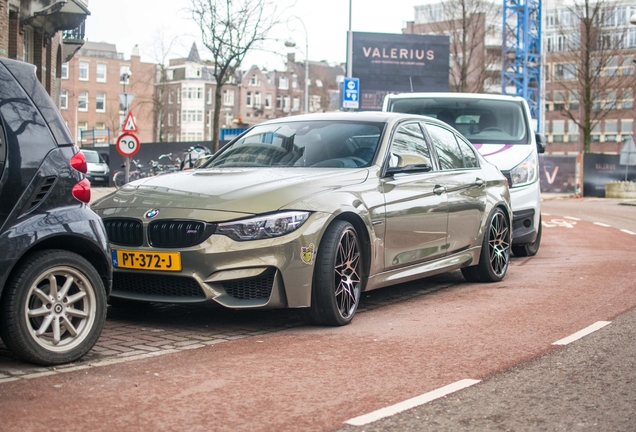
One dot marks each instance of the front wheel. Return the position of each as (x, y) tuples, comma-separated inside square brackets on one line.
[(338, 277), (53, 308), (495, 251), (118, 179), (529, 249)]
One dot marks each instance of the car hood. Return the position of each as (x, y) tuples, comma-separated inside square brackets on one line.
[(504, 156), (237, 191)]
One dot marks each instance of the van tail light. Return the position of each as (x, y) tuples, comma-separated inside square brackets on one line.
[(78, 161), (82, 191)]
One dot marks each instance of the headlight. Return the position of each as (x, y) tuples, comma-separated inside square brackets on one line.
[(262, 227), (525, 172)]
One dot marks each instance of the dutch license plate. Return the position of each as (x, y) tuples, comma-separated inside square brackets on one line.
[(99, 179), (145, 260)]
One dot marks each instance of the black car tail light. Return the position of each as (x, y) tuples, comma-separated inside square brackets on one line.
[(82, 191), (78, 161)]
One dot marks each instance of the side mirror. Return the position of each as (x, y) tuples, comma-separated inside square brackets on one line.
[(540, 142)]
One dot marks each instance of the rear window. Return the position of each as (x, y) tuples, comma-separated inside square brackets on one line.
[(24, 73), (481, 121)]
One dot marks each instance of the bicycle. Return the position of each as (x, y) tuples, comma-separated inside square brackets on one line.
[(136, 174)]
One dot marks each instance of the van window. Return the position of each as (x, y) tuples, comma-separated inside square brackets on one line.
[(481, 121)]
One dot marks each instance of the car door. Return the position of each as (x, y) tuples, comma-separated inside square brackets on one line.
[(415, 209), (464, 185)]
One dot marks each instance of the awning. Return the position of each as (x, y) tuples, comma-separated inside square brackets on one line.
[(61, 15)]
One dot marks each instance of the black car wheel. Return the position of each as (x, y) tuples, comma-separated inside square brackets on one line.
[(53, 308), (338, 277), (495, 251)]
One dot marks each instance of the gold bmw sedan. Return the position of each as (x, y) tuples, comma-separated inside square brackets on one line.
[(310, 211)]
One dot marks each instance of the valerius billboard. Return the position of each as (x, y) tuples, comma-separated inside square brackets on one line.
[(392, 63)]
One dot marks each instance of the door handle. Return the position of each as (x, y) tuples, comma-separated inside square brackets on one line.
[(439, 189), (479, 182)]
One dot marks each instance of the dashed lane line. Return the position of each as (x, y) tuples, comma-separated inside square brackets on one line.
[(602, 224), (581, 333), (628, 232), (411, 403), (571, 218)]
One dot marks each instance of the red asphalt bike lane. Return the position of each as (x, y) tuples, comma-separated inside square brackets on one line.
[(314, 379)]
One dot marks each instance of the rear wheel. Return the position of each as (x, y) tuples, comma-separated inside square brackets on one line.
[(529, 249), (118, 179), (53, 308), (495, 251), (338, 277)]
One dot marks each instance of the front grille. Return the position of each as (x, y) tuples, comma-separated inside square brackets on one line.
[(178, 233), (157, 285), (125, 232), (259, 287)]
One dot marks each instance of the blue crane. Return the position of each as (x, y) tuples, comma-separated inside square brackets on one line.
[(521, 52)]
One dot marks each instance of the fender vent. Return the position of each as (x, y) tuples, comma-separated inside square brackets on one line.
[(42, 191)]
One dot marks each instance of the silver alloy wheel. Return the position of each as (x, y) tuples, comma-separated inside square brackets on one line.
[(60, 309), (499, 244), (347, 273)]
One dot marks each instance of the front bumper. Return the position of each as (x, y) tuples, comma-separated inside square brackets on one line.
[(272, 273)]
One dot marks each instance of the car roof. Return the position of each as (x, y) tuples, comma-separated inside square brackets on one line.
[(367, 116), (452, 95)]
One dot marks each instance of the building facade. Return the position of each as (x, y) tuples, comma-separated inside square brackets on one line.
[(45, 33), (90, 100)]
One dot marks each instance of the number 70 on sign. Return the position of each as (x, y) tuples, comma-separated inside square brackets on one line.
[(128, 144)]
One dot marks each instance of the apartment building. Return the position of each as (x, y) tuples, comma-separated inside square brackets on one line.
[(90, 94), (185, 94), (45, 33)]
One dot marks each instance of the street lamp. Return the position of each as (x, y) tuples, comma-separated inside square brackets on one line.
[(292, 44)]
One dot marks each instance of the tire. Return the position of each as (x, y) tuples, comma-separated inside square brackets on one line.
[(40, 328), (529, 249), (495, 251), (118, 179), (338, 277)]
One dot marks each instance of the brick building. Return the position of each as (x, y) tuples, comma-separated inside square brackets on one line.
[(89, 97), (45, 33)]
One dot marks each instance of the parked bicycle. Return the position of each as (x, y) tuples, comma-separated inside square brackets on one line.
[(119, 178)]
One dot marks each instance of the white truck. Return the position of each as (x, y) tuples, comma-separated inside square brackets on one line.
[(501, 129)]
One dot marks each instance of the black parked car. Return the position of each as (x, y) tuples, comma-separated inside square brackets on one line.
[(55, 265)]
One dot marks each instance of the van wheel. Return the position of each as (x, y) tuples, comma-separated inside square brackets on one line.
[(529, 249), (53, 308), (495, 251)]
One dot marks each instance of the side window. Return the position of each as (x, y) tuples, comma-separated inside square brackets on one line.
[(409, 147), (3, 149), (450, 156), (470, 159)]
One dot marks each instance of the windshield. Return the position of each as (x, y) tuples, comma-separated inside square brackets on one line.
[(324, 143), (92, 157), (481, 121)]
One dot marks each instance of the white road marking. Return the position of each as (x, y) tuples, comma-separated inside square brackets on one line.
[(411, 403), (571, 218), (602, 224), (628, 232), (581, 333)]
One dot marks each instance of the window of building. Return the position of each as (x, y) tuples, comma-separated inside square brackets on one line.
[(573, 102), (209, 96), (628, 99), (178, 97), (169, 119), (228, 118), (170, 96), (81, 126), (100, 74), (254, 80), (248, 100), (268, 101), (286, 104), (283, 83), (296, 105), (100, 102), (208, 118), (28, 45), (611, 66), (559, 100), (610, 100), (82, 101), (279, 102), (564, 72), (64, 99), (228, 97), (558, 130), (318, 83), (257, 100), (626, 126), (627, 65), (83, 71), (64, 70)]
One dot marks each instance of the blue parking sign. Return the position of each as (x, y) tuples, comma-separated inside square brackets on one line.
[(351, 93)]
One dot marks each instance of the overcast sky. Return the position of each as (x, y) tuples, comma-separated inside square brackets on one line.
[(126, 23)]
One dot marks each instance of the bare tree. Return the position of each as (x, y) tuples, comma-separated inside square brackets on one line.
[(590, 48), (469, 25), (230, 29)]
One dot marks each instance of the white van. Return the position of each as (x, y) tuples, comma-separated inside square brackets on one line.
[(500, 128)]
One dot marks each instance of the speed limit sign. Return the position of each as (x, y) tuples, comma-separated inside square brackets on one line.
[(127, 144)]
